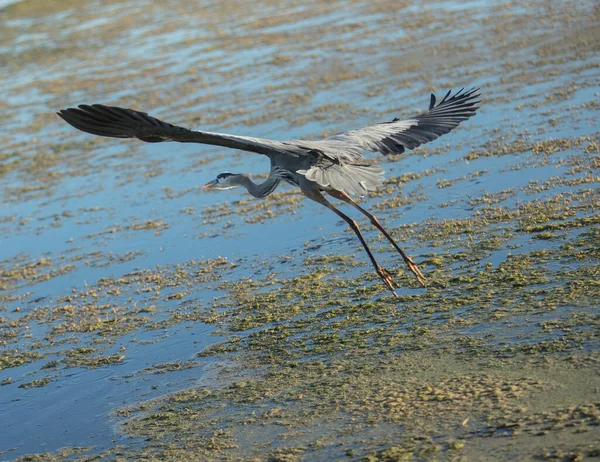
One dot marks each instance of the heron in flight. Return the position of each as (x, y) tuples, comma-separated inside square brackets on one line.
[(334, 165)]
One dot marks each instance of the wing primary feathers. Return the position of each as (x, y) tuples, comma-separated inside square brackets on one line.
[(117, 122), (336, 160), (448, 94), (399, 135)]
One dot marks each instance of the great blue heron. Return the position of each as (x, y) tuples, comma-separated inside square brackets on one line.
[(334, 165)]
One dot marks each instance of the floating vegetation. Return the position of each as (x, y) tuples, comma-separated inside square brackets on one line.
[(224, 327)]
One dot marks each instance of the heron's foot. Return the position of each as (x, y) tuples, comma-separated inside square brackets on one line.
[(386, 277), (415, 270)]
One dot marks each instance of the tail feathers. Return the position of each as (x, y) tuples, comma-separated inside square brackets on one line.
[(351, 178)]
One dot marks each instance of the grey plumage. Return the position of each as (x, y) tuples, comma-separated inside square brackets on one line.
[(336, 161), (334, 165)]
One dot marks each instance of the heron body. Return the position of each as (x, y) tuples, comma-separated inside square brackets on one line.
[(334, 165)]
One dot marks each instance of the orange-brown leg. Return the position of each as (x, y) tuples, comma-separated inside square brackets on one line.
[(381, 272), (411, 265)]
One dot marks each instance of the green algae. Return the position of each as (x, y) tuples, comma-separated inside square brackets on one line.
[(37, 383), (364, 372), (335, 363), (322, 362)]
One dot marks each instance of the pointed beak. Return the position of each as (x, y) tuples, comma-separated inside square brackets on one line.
[(210, 184)]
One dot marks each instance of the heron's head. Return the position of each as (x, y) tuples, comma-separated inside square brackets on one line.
[(223, 180)]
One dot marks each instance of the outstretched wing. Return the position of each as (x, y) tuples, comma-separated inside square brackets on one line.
[(340, 162), (117, 122), (398, 135)]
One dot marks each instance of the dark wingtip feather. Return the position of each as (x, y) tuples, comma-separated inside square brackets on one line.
[(446, 97), (431, 102)]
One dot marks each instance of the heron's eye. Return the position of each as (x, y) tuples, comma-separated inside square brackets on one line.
[(223, 175)]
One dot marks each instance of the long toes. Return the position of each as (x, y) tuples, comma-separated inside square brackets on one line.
[(388, 281), (386, 277), (415, 270), (391, 289), (386, 273), (419, 276)]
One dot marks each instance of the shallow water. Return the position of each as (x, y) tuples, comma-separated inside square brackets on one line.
[(114, 259)]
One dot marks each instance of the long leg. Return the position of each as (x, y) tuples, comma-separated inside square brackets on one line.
[(411, 265), (381, 272)]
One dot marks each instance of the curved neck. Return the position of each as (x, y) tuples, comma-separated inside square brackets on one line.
[(258, 190)]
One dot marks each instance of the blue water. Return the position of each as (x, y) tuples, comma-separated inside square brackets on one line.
[(124, 181)]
